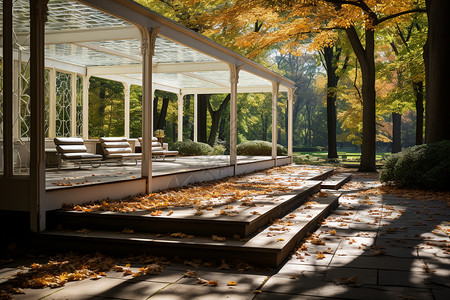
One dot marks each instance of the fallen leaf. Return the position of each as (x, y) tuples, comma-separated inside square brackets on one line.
[(218, 238), (232, 283), (190, 274)]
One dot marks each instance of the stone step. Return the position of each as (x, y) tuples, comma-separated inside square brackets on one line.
[(221, 220), (269, 247), (336, 181)]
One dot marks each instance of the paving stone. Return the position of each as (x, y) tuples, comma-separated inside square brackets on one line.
[(200, 292), (363, 276), (403, 278), (165, 276), (406, 248), (317, 288), (441, 294), (300, 270), (373, 262), (108, 287), (33, 294), (244, 281), (280, 296), (355, 246)]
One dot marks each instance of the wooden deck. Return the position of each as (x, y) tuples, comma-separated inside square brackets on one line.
[(72, 176)]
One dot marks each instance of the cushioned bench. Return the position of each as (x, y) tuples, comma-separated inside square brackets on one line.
[(73, 149), (118, 149), (158, 151)]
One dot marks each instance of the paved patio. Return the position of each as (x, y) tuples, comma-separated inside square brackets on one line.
[(374, 246)]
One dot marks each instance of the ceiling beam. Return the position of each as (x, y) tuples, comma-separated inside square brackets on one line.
[(83, 35), (204, 79), (108, 51)]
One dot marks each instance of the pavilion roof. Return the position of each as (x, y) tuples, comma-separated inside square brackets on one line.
[(100, 38)]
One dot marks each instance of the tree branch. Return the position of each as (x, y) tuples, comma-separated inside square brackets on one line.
[(416, 10)]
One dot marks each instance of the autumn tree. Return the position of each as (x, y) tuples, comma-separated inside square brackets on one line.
[(295, 20)]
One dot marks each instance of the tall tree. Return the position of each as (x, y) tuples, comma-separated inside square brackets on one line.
[(331, 55), (215, 118), (298, 19), (437, 60)]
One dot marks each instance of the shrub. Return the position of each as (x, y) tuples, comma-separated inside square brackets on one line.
[(307, 148), (218, 149), (262, 148), (424, 166), (188, 148)]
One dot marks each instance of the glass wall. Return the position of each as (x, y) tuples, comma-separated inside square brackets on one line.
[(21, 89)]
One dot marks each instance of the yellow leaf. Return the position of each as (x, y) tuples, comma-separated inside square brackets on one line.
[(231, 283)]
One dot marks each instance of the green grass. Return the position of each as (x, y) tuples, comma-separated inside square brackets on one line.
[(350, 158)]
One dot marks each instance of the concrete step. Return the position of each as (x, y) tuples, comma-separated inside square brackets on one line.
[(336, 181), (269, 247), (240, 220)]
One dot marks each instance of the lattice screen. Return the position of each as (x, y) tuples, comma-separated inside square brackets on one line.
[(47, 101), (79, 110), (63, 103)]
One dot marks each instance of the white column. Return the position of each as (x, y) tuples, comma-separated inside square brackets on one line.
[(234, 79), (38, 17), (180, 117), (52, 105), (148, 50), (290, 125), (195, 117), (126, 93), (275, 88), (73, 105), (86, 107)]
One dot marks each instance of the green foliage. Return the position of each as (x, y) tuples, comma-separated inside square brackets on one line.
[(106, 108), (262, 148), (307, 149), (135, 111), (424, 166), (218, 149), (188, 148)]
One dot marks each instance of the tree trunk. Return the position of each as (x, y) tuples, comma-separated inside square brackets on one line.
[(155, 113), (366, 59), (332, 81), (418, 90), (396, 132), (161, 124), (215, 119), (202, 116), (222, 126), (437, 121)]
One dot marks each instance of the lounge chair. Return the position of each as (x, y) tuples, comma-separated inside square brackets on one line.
[(158, 151), (73, 149), (118, 149)]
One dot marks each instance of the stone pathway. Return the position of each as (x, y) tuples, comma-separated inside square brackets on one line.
[(372, 247)]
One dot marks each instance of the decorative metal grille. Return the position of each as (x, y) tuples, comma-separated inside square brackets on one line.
[(79, 110), (23, 95), (47, 101), (63, 103)]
